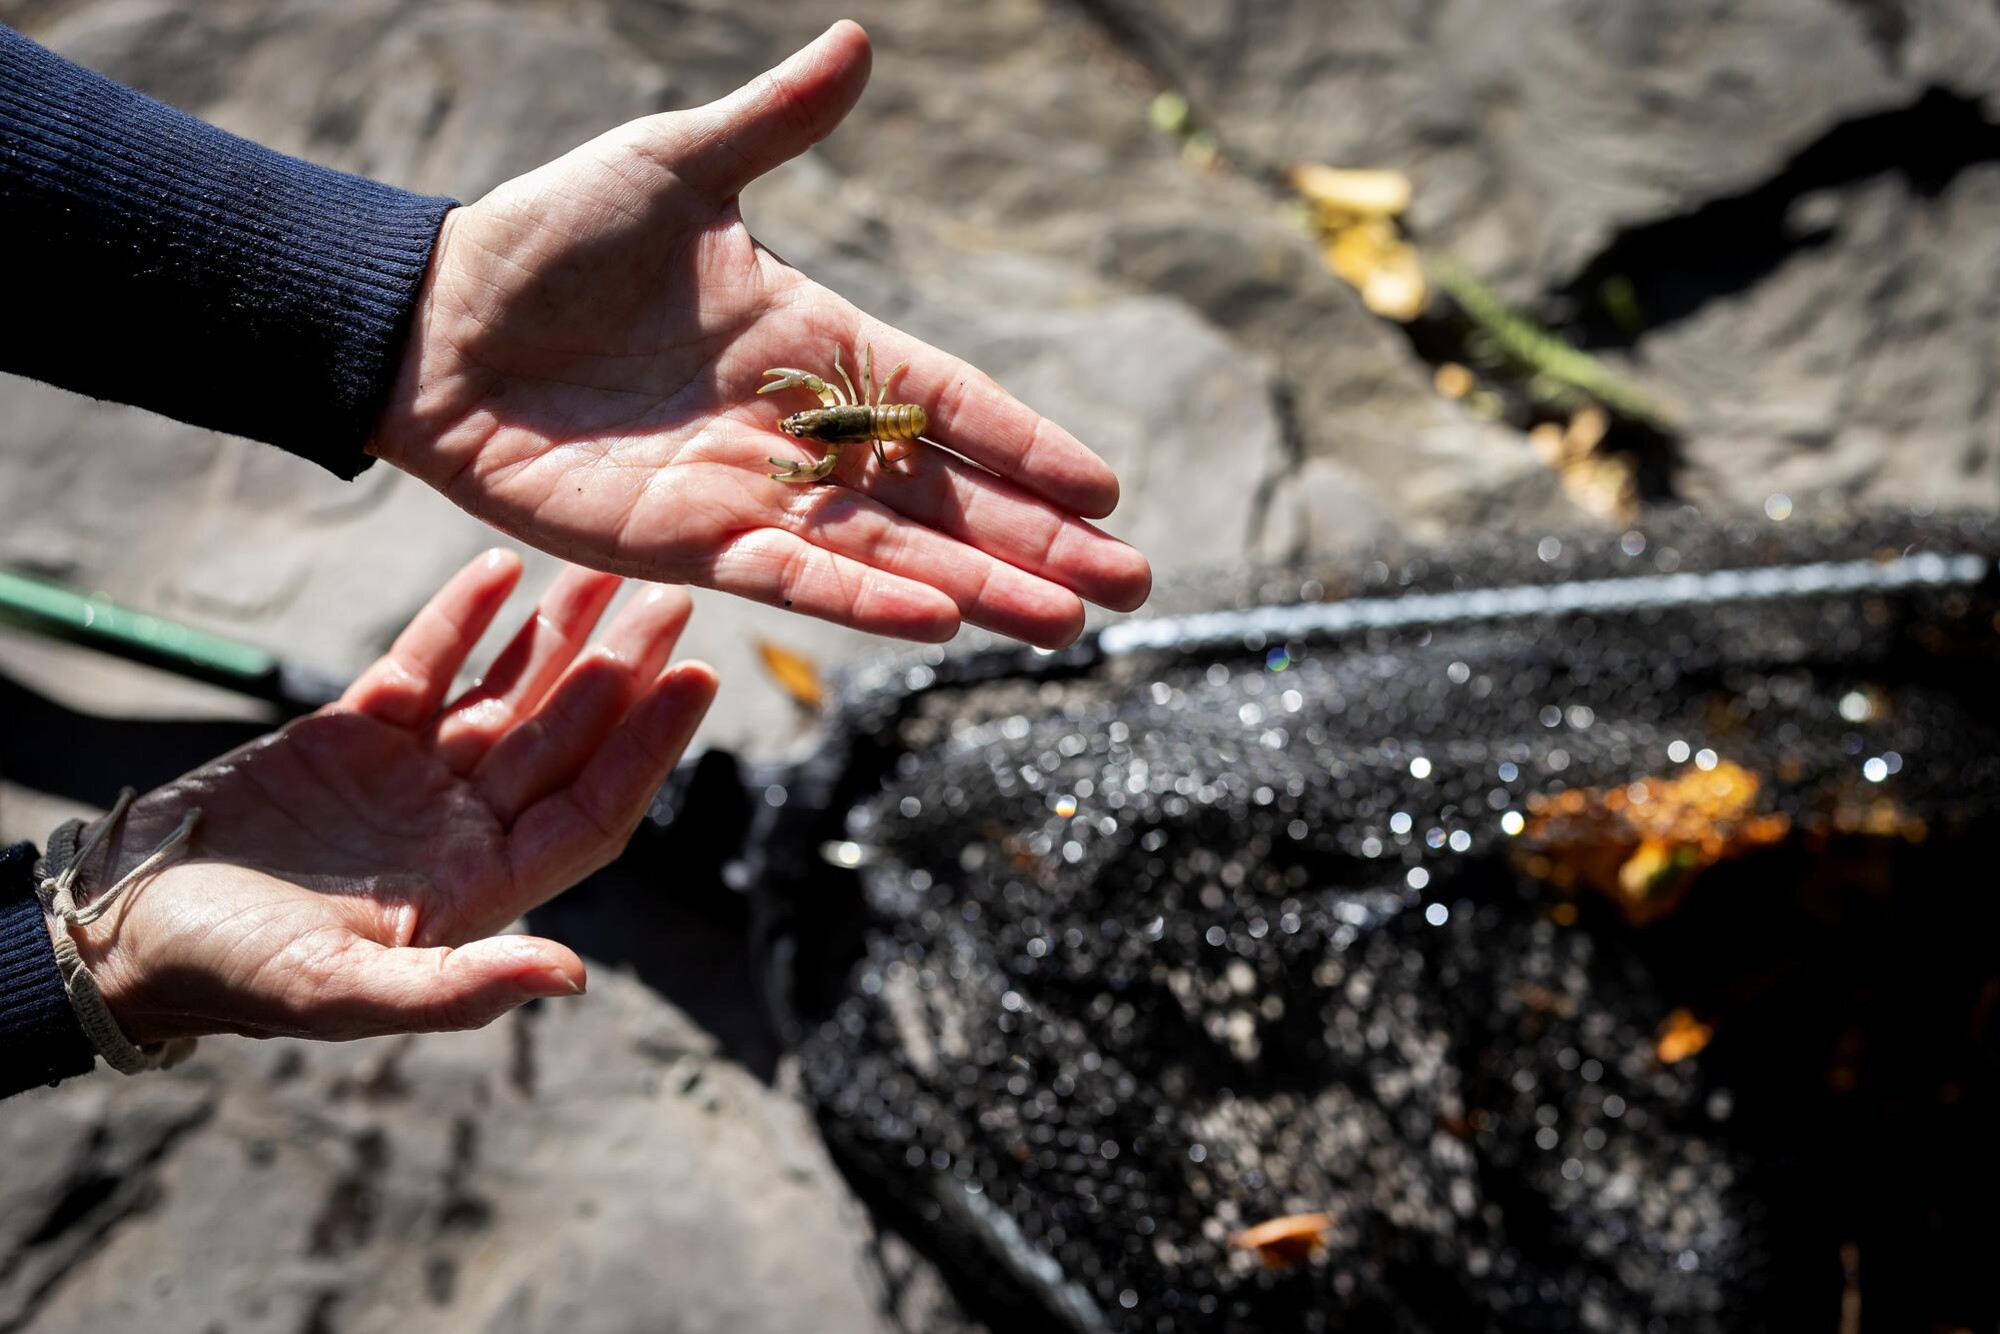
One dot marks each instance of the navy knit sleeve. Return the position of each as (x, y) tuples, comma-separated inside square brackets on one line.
[(156, 260), (40, 1038)]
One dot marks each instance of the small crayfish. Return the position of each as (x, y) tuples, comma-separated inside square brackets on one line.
[(846, 418)]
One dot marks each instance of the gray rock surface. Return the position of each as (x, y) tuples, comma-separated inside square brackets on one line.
[(1538, 135), (598, 1166), (559, 1171), (1535, 130), (1886, 397)]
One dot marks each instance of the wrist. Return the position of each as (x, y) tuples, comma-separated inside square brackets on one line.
[(398, 429), (108, 949), (88, 881)]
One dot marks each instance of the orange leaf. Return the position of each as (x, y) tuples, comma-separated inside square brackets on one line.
[(1282, 1242), (795, 674), (1681, 1036)]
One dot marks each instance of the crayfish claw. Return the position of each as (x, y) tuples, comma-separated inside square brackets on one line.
[(798, 470)]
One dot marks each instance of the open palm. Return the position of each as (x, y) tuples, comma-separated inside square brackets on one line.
[(583, 368), (350, 869)]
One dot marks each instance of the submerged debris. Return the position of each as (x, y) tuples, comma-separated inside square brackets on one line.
[(1681, 1036), (1643, 842), (1283, 1242)]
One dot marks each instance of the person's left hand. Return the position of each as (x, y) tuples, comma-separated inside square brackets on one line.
[(350, 870)]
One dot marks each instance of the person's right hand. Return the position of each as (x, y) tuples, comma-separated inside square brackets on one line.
[(583, 371), (349, 871)]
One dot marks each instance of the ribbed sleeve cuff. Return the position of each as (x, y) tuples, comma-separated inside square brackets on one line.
[(40, 1038), (156, 260)]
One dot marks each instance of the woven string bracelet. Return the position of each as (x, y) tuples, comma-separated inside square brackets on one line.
[(59, 892)]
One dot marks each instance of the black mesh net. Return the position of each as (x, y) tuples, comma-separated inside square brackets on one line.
[(1582, 934)]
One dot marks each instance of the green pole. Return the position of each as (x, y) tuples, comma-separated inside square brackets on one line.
[(99, 623)]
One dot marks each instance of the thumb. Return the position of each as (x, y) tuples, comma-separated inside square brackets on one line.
[(384, 989), (776, 116)]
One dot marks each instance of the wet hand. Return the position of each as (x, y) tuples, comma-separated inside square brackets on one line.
[(350, 871), (583, 368)]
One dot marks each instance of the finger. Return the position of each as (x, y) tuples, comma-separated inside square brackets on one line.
[(971, 414), (778, 567), (526, 668), (374, 989), (405, 685), (546, 751), (987, 591), (773, 118), (973, 507), (569, 834)]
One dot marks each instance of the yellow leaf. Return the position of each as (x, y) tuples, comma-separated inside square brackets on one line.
[(1546, 438), (1453, 380), (1378, 194), (795, 674), (1378, 262), (1397, 291), (1606, 486)]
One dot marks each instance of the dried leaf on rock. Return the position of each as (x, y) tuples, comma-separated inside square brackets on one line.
[(1354, 214), (1372, 257), (1364, 193), (1453, 380)]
